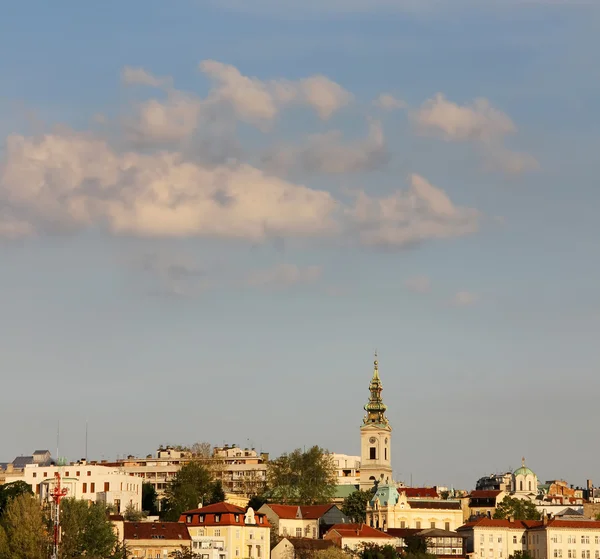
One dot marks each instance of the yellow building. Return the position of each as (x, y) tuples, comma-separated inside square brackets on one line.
[(155, 539), (225, 531)]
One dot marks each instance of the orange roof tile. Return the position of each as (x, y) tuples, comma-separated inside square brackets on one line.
[(155, 530), (358, 531)]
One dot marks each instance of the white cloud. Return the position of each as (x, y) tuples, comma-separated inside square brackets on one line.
[(258, 102), (479, 123), (74, 181), (327, 153), (387, 102), (476, 122), (284, 275), (139, 76), (408, 217), (418, 284), (464, 299), (173, 120)]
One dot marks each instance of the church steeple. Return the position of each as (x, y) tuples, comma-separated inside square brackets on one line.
[(375, 407)]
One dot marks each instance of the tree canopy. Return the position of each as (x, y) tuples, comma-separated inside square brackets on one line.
[(11, 490), (519, 509), (191, 486), (23, 529), (355, 505), (149, 499), (302, 477), (86, 530)]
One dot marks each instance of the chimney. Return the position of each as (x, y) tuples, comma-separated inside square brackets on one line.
[(511, 518), (545, 519)]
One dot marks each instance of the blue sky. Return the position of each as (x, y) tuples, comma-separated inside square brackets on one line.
[(213, 252)]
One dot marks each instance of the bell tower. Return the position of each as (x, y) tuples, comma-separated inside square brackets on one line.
[(375, 437)]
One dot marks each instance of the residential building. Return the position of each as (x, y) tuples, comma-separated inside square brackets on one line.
[(224, 531), (375, 438), (353, 536), (306, 521), (241, 471), (442, 543), (483, 503), (347, 469), (84, 481), (549, 538), (299, 548), (495, 482), (158, 540)]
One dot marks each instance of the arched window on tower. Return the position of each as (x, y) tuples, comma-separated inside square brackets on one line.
[(529, 486), (521, 485), (385, 452), (373, 453)]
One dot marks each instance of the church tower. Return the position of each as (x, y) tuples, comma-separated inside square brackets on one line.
[(375, 438)]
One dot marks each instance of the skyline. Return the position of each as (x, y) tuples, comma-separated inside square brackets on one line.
[(216, 211)]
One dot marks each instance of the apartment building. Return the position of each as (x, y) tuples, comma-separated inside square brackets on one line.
[(224, 531), (91, 482), (549, 538), (347, 469), (156, 540), (305, 521)]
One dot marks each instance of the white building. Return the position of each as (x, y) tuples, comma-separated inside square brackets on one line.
[(347, 469), (93, 483)]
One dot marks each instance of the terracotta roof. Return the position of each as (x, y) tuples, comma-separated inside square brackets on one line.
[(497, 523), (219, 508), (423, 492), (558, 523), (155, 531), (403, 532), (307, 512), (358, 531), (481, 494)]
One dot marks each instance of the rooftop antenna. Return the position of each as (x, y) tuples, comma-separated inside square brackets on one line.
[(86, 440), (57, 437)]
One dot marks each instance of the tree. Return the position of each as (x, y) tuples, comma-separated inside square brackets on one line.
[(11, 490), (332, 552), (256, 502), (191, 485), (519, 509), (201, 450), (24, 529), (374, 551), (184, 553), (217, 495), (355, 505), (149, 499), (415, 545), (302, 477), (86, 530), (521, 555), (132, 514)]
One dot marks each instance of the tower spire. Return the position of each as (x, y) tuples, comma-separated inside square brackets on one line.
[(375, 407)]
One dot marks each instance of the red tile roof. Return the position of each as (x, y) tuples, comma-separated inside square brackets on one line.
[(589, 524), (155, 530), (357, 531), (497, 523), (480, 494), (423, 492), (229, 515), (307, 512)]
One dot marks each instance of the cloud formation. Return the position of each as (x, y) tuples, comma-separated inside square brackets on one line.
[(418, 284), (387, 102), (139, 76), (479, 123), (258, 102), (328, 154), (409, 217)]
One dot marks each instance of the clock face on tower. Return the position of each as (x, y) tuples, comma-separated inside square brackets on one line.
[(372, 440)]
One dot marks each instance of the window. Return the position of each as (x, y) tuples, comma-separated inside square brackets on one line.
[(201, 518), (372, 453), (556, 553), (217, 532), (298, 532), (77, 474), (237, 517), (106, 486), (529, 486), (217, 518), (314, 532), (402, 524), (385, 452), (482, 552), (500, 553), (560, 552), (237, 551), (418, 524), (92, 487), (258, 551), (482, 538), (34, 474), (596, 554), (432, 524), (499, 539), (447, 526), (585, 539), (514, 539), (597, 540), (45, 474), (188, 518), (84, 489), (520, 486), (89, 473)]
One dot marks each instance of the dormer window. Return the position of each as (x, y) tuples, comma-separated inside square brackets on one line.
[(201, 518), (188, 518), (260, 519), (237, 517), (217, 518)]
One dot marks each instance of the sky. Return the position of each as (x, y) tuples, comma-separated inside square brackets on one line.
[(212, 213)]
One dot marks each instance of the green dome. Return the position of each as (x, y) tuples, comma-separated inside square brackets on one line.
[(523, 471)]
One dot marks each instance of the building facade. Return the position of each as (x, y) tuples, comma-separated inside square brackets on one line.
[(225, 531), (347, 469), (352, 537), (307, 521), (156, 540)]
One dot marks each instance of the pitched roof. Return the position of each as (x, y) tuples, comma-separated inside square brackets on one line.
[(218, 508), (437, 504), (155, 531), (481, 494), (342, 491), (574, 524), (21, 461), (416, 492), (358, 531), (306, 512), (486, 522)]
